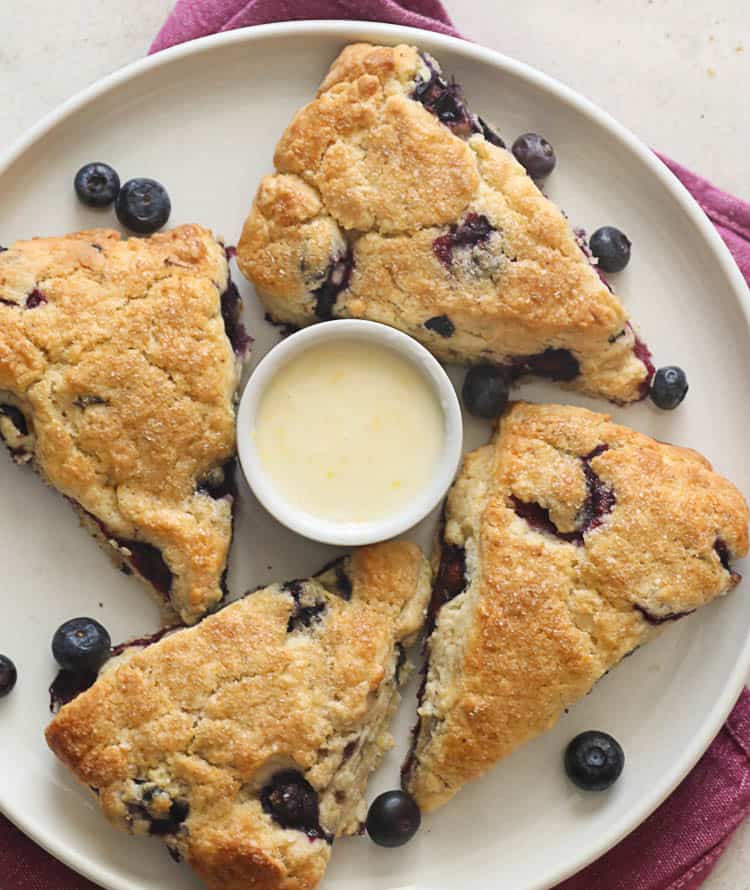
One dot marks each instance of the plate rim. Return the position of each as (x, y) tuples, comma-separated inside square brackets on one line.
[(388, 33)]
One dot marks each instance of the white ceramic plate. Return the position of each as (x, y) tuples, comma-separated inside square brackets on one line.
[(204, 119)]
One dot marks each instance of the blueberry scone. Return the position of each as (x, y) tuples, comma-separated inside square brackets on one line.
[(119, 362), (246, 742), (568, 542), (393, 202)]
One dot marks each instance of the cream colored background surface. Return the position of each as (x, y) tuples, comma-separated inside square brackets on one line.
[(674, 71)]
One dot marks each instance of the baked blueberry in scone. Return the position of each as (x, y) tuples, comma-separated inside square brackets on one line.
[(119, 362), (246, 742), (393, 202), (568, 542)]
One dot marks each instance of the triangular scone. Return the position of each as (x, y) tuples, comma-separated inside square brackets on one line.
[(246, 741), (568, 541), (392, 202), (117, 382)]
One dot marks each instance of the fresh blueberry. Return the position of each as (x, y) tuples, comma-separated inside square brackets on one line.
[(97, 185), (534, 153), (594, 761), (8, 675), (81, 645), (393, 819), (611, 247), (485, 391), (143, 205), (669, 387)]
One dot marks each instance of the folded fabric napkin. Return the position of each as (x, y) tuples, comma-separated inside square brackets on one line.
[(677, 847)]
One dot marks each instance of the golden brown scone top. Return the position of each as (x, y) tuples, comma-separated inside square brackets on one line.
[(580, 538), (115, 352), (282, 679), (359, 218)]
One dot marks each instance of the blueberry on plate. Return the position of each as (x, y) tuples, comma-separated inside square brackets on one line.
[(143, 206), (535, 154), (594, 761), (611, 247), (393, 819), (8, 675), (96, 184), (485, 391), (81, 645), (669, 387)]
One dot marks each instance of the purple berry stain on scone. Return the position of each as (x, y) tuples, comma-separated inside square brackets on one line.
[(231, 311), (446, 101), (148, 561), (450, 580), (554, 364), (220, 482), (342, 583), (440, 324), (725, 558), (656, 620), (489, 134), (67, 685), (162, 814), (349, 750), (35, 298), (145, 642), (599, 502), (474, 230), (538, 518), (337, 278), (307, 608), (285, 328), (292, 802), (178, 813), (16, 417), (640, 350), (643, 354), (600, 499), (145, 558)]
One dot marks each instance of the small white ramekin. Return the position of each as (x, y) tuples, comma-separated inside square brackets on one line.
[(325, 530)]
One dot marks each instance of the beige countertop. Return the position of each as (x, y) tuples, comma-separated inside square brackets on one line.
[(676, 72)]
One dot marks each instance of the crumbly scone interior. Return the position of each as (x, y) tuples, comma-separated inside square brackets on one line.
[(118, 379), (569, 541), (185, 739), (393, 202)]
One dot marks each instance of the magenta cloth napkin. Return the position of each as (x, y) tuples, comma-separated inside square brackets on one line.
[(197, 18), (678, 846)]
